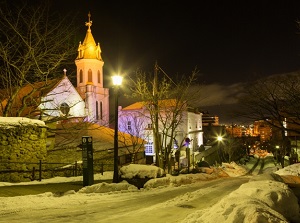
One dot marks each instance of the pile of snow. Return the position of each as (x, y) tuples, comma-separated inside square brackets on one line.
[(141, 171), (108, 187), (233, 169), (256, 201), (293, 169)]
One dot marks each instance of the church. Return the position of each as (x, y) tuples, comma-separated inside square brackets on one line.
[(59, 99), (89, 99)]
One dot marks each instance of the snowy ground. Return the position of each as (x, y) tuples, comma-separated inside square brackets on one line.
[(262, 199)]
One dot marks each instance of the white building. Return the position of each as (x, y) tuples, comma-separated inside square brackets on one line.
[(135, 119)]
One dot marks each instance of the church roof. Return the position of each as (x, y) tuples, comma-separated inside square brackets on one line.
[(29, 95), (161, 103), (70, 134), (89, 49)]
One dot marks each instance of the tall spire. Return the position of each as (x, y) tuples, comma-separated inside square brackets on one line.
[(89, 49)]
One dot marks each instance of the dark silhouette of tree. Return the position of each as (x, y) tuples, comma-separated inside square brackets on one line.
[(35, 43), (276, 100)]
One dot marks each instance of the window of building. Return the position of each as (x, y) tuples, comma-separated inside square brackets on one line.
[(149, 148), (64, 108), (129, 125), (150, 126), (80, 76), (90, 77), (99, 77), (101, 111), (97, 111)]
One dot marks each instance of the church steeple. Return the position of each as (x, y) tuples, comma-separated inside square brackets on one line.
[(89, 49), (90, 78)]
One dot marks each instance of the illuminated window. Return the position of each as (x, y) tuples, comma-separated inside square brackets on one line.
[(149, 148), (90, 78), (64, 108)]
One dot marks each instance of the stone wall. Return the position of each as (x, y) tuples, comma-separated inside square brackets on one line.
[(22, 146)]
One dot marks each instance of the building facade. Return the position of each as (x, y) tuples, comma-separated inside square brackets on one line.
[(135, 119)]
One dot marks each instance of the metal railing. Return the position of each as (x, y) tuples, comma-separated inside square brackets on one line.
[(10, 171)]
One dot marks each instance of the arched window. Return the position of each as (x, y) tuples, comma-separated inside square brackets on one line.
[(101, 115), (64, 108), (99, 79), (80, 76), (97, 111), (90, 78)]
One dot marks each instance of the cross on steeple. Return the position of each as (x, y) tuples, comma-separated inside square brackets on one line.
[(89, 23)]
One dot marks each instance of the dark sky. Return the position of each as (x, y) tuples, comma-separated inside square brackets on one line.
[(228, 41)]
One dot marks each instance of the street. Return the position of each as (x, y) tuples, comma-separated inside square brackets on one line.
[(169, 204)]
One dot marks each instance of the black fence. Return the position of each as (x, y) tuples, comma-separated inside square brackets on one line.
[(29, 171)]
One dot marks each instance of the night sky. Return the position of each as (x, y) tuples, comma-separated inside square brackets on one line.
[(228, 41)]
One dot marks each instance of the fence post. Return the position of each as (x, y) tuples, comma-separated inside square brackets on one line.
[(40, 170), (33, 174), (102, 168), (75, 168)]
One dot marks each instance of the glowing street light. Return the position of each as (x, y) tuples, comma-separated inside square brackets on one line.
[(117, 81), (220, 138)]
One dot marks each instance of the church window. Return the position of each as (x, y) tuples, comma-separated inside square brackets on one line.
[(80, 76), (90, 79), (101, 112), (64, 108), (97, 111), (99, 80)]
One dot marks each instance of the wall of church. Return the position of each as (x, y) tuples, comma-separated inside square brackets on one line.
[(64, 93), (21, 142)]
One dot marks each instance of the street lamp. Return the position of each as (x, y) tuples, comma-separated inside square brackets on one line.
[(117, 81), (220, 152), (220, 138)]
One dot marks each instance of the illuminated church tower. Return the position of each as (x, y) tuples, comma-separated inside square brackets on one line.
[(90, 79)]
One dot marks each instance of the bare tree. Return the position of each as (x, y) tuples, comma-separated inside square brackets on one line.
[(166, 101), (233, 147), (35, 42), (276, 101)]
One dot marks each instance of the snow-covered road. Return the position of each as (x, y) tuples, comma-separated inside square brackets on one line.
[(170, 204)]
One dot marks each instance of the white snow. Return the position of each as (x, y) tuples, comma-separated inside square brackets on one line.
[(20, 121), (261, 200)]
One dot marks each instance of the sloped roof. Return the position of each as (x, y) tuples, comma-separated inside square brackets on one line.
[(31, 94), (71, 133), (161, 103)]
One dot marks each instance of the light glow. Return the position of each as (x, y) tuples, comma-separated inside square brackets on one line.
[(117, 80)]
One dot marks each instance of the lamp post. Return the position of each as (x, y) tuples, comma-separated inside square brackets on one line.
[(117, 81), (220, 152)]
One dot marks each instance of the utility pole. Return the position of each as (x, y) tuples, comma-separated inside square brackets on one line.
[(155, 127)]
